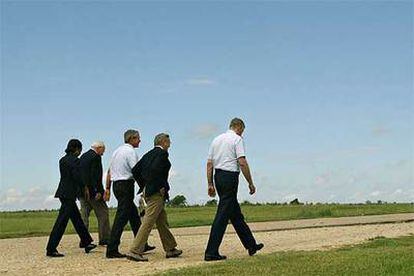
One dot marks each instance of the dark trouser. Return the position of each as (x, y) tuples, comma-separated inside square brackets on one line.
[(102, 215), (126, 211), (228, 209), (68, 210)]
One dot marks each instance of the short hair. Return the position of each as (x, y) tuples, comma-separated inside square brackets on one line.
[(73, 146), (159, 138), (237, 122), (129, 134), (98, 144)]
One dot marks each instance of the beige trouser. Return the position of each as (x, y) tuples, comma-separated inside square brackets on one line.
[(102, 214), (154, 214)]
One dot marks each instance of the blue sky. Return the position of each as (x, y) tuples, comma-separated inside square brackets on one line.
[(325, 89)]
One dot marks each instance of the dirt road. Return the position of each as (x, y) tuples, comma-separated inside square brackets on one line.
[(26, 256)]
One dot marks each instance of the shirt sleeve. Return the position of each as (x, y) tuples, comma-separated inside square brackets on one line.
[(132, 159), (240, 148)]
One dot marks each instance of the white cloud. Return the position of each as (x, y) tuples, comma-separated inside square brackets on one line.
[(173, 174), (34, 198), (200, 81), (204, 131), (375, 193), (380, 130)]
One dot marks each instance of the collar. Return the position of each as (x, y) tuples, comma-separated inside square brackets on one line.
[(233, 132), (158, 146), (129, 145)]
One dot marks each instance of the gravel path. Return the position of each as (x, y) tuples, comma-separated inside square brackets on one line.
[(26, 256)]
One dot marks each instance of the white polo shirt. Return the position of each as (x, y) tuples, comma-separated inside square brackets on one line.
[(224, 151), (123, 160)]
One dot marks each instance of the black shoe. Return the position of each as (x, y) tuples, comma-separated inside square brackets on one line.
[(90, 247), (82, 245), (174, 253), (257, 247), (209, 258), (54, 254), (148, 248), (102, 243), (115, 255)]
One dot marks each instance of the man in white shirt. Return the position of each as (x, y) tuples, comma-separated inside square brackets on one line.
[(227, 157), (120, 173)]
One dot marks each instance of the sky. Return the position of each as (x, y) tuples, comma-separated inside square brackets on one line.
[(325, 89)]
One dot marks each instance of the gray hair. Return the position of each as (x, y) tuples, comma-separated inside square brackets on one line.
[(129, 134), (159, 138), (237, 122), (98, 144)]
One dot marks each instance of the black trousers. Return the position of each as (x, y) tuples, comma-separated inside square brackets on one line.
[(68, 210), (228, 209), (126, 211)]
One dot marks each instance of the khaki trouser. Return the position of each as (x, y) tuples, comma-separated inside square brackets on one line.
[(102, 214), (154, 214)]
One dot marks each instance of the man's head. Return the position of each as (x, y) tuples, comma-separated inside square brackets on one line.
[(237, 125), (131, 136), (162, 140), (74, 147), (98, 147)]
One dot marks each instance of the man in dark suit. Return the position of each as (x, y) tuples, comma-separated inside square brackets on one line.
[(91, 166), (151, 172), (69, 186)]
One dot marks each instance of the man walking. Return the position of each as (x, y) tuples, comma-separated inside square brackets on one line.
[(123, 160), (226, 157), (91, 166), (151, 172)]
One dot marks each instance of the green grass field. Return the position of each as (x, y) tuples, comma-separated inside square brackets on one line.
[(39, 223), (380, 256)]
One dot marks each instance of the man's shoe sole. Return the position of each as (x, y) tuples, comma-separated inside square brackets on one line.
[(212, 259), (136, 260)]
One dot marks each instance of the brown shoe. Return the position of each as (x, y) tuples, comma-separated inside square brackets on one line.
[(136, 257), (174, 253)]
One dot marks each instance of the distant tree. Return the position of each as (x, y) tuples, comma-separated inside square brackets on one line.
[(295, 202), (178, 201), (246, 202), (212, 202), (368, 202)]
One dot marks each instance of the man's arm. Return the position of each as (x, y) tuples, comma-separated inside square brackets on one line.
[(244, 166), (107, 193), (160, 167), (210, 189)]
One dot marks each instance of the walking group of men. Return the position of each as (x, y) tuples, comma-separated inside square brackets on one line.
[(82, 178)]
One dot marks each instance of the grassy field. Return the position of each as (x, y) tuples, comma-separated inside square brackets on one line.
[(39, 223), (380, 256)]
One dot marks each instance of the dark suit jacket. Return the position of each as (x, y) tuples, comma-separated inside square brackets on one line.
[(91, 171), (152, 171), (70, 178)]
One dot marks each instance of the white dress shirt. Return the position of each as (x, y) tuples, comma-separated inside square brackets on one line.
[(224, 151), (123, 160)]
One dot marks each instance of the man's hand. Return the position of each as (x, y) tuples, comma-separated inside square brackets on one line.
[(162, 192), (87, 196), (107, 195), (211, 190), (252, 189), (98, 196)]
